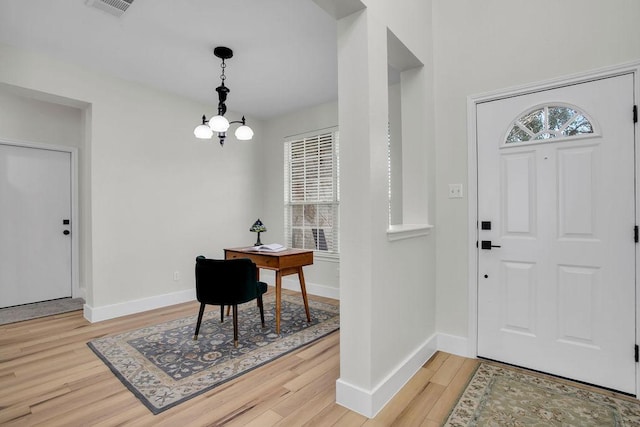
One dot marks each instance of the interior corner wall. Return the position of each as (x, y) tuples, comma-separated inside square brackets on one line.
[(492, 45), (322, 278), (380, 352), (158, 196)]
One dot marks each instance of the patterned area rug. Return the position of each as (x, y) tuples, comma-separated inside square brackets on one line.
[(163, 366), (39, 309), (502, 396)]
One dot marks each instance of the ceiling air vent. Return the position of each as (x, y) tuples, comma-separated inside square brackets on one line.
[(112, 7)]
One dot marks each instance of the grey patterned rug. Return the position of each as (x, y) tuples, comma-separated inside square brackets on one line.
[(163, 366), (503, 396), (39, 309)]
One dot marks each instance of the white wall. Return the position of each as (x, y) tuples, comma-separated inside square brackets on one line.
[(322, 278), (395, 135), (156, 197), (32, 120), (387, 288), (495, 44)]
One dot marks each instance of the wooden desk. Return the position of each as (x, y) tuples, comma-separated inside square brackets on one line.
[(284, 263)]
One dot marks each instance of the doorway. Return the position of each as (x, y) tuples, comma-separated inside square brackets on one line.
[(36, 223), (556, 260)]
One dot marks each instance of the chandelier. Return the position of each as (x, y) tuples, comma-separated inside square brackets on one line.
[(219, 123)]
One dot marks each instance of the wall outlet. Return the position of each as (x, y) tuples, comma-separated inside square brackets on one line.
[(176, 276), (455, 191)]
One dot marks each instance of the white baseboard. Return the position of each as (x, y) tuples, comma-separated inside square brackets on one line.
[(312, 288), (369, 403), (97, 314), (365, 402), (454, 344)]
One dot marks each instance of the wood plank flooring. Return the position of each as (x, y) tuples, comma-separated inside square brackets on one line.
[(49, 377)]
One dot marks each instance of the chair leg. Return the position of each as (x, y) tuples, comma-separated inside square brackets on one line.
[(235, 325), (221, 313), (261, 307), (195, 336)]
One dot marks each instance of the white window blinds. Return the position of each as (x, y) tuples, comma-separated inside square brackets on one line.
[(312, 192)]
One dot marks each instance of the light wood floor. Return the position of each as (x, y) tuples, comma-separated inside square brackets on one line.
[(48, 376)]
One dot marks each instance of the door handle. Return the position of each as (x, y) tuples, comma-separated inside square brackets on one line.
[(486, 244), (66, 232)]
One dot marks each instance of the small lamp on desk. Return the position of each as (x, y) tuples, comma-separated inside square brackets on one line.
[(258, 227)]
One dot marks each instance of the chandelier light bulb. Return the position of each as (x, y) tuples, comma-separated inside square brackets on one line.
[(244, 133), (218, 124)]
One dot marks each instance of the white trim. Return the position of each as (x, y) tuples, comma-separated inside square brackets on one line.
[(312, 288), (472, 165), (106, 312), (407, 231), (76, 290), (369, 403), (354, 398), (472, 235), (454, 344), (311, 133)]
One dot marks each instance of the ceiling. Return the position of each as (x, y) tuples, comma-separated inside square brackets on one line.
[(285, 51)]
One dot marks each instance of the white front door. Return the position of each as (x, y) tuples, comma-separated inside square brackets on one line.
[(35, 201), (556, 285)]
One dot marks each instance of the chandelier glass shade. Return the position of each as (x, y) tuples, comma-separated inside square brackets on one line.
[(219, 123), (244, 133)]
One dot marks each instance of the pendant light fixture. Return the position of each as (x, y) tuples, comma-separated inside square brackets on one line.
[(219, 122)]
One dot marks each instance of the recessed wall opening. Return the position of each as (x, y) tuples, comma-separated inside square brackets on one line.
[(404, 77)]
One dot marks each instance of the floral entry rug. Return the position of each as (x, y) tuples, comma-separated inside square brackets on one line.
[(163, 366), (505, 396)]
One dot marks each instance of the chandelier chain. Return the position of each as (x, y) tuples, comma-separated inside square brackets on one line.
[(222, 76)]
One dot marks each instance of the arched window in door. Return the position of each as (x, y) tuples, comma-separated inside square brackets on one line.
[(548, 122)]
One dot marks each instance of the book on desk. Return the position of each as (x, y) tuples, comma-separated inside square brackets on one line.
[(272, 247)]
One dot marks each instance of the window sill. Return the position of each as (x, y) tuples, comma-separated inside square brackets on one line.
[(407, 231)]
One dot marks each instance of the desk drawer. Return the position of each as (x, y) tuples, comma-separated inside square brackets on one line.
[(262, 261)]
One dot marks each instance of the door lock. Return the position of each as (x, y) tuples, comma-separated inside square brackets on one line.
[(486, 244)]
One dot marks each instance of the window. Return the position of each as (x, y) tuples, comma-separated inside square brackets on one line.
[(552, 121), (311, 192)]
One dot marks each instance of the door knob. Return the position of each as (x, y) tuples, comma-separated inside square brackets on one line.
[(65, 232), (486, 244)]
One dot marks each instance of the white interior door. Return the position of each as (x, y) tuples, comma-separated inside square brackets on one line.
[(35, 199), (556, 292)]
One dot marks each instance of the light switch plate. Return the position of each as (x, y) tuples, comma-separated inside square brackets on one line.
[(455, 191)]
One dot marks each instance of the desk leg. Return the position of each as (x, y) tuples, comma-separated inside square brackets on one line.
[(303, 288), (278, 296)]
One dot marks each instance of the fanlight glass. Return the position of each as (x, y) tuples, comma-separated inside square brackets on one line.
[(549, 122)]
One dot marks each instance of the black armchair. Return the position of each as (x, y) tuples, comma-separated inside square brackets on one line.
[(227, 282)]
